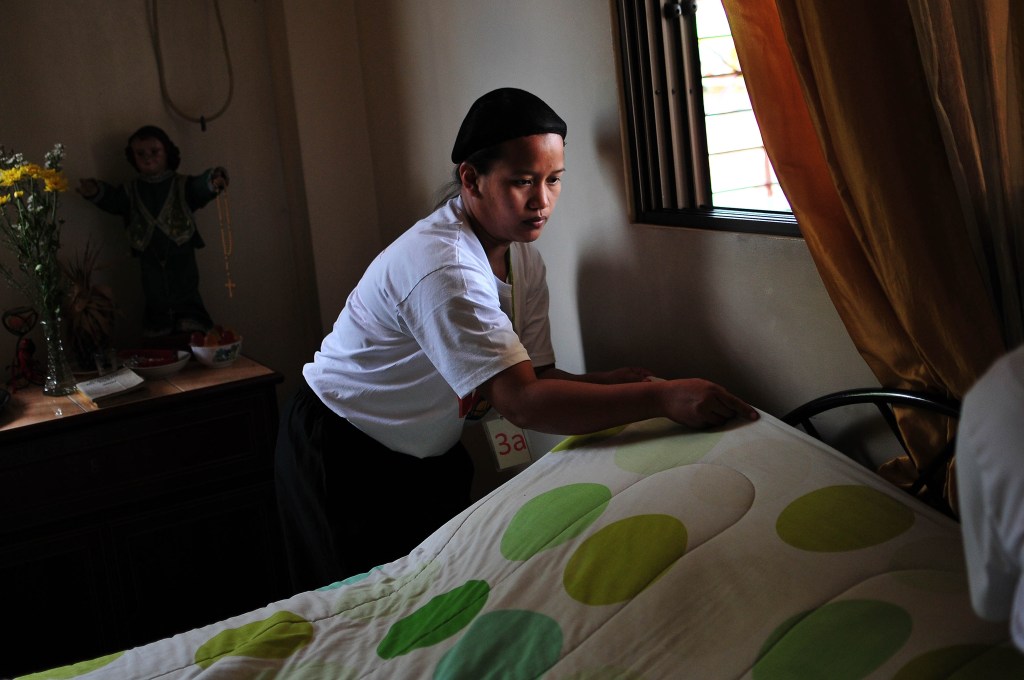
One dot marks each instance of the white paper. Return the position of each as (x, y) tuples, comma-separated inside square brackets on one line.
[(106, 386)]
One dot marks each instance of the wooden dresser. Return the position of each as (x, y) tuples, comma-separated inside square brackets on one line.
[(138, 520)]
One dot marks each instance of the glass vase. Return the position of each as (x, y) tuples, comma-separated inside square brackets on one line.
[(60, 380)]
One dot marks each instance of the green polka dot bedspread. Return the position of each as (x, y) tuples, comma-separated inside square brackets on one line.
[(645, 552)]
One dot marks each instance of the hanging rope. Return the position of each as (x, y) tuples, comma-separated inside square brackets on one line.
[(154, 30)]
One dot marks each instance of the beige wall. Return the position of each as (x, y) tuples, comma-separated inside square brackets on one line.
[(336, 170), (83, 72), (337, 138)]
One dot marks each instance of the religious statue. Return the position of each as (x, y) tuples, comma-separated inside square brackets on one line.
[(157, 208)]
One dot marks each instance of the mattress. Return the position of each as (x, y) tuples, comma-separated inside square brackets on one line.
[(644, 552)]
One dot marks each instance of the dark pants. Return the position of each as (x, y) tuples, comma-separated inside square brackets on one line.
[(347, 503)]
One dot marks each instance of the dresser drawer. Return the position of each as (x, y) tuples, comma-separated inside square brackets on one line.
[(163, 504), (182, 448)]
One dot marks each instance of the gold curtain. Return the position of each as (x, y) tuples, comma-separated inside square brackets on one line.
[(842, 98), (973, 62)]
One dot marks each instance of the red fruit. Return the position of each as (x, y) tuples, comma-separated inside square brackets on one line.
[(197, 339)]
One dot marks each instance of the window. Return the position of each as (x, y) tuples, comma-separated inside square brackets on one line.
[(696, 153)]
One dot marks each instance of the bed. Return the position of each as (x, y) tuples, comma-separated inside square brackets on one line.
[(649, 551)]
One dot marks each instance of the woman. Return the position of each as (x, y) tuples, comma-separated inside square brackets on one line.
[(451, 317)]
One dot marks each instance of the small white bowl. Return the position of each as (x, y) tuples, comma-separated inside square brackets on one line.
[(166, 370), (137, 360), (218, 356)]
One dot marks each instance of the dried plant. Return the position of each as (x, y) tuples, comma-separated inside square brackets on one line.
[(89, 308)]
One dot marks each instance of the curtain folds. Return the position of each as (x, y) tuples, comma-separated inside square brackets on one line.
[(974, 62), (847, 115)]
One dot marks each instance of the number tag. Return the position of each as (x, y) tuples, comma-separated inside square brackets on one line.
[(507, 442)]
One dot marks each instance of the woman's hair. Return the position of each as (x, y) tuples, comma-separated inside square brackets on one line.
[(496, 117), (482, 161), (503, 114), (153, 132)]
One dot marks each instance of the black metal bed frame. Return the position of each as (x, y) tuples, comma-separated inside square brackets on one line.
[(885, 399)]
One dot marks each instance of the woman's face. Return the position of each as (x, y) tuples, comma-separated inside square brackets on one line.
[(514, 200), (150, 156)]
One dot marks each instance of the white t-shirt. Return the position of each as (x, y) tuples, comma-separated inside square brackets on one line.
[(990, 491), (424, 327)]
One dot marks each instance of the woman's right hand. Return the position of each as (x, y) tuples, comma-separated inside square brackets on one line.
[(699, 403)]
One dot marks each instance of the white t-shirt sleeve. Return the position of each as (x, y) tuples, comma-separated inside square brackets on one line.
[(990, 484), (456, 318)]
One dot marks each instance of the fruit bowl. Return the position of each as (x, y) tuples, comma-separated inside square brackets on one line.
[(217, 356)]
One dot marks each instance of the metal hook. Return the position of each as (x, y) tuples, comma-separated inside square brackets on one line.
[(674, 10)]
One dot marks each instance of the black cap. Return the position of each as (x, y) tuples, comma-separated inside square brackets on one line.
[(504, 114)]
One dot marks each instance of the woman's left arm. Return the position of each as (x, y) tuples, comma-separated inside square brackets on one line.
[(626, 374)]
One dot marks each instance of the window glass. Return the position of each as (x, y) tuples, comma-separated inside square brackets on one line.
[(697, 157), (741, 174)]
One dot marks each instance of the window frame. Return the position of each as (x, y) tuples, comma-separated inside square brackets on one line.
[(666, 135)]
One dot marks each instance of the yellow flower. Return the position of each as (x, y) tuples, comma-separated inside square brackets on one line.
[(19, 172), (11, 175), (55, 180), (34, 232)]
